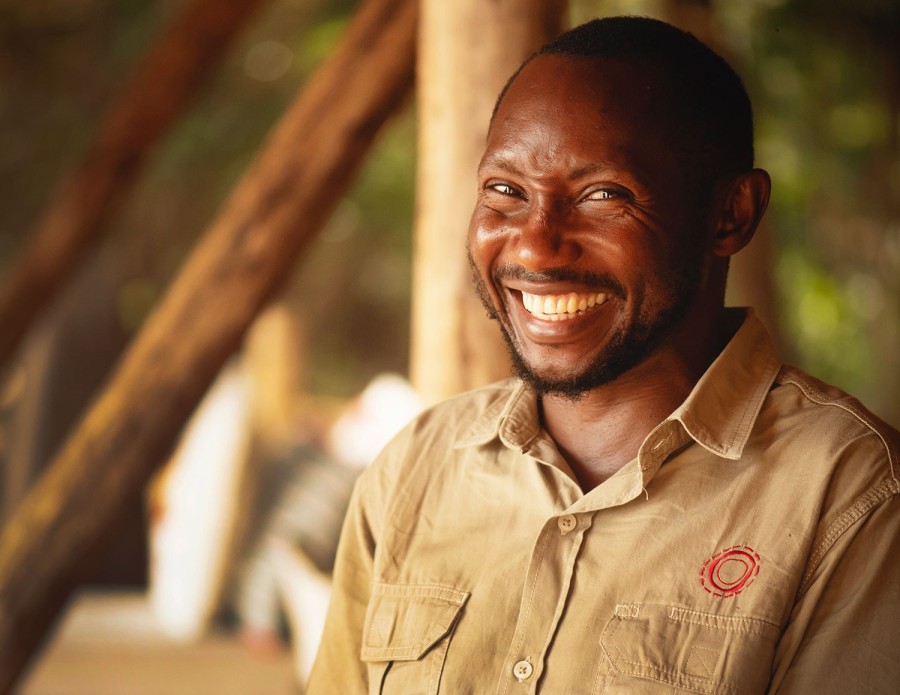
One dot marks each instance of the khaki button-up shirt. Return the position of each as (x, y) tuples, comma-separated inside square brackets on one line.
[(752, 546)]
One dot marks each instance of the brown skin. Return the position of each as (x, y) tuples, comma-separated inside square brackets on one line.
[(579, 191)]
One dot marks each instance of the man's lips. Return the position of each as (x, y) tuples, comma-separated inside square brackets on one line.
[(562, 307)]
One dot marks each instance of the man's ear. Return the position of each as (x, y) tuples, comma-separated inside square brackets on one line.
[(742, 200)]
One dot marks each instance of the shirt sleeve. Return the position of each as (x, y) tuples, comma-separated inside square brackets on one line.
[(844, 632), (338, 668)]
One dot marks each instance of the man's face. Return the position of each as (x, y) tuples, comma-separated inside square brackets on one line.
[(584, 242)]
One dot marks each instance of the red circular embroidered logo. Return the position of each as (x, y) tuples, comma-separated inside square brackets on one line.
[(730, 571)]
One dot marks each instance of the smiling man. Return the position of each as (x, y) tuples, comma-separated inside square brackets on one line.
[(657, 503)]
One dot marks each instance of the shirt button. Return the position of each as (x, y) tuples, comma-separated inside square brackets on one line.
[(566, 523), (522, 670)]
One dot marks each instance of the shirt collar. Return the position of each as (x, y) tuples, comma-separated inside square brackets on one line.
[(514, 418), (720, 411), (718, 414)]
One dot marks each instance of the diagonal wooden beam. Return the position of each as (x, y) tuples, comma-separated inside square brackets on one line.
[(243, 258), (155, 95)]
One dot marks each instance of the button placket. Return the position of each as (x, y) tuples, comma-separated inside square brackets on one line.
[(549, 577)]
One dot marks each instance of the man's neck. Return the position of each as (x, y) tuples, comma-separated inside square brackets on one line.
[(603, 430)]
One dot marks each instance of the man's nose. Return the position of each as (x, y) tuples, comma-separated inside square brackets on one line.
[(543, 241)]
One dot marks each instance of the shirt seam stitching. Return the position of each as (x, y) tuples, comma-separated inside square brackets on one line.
[(733, 623), (866, 503), (820, 398)]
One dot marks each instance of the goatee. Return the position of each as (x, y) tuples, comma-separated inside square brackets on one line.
[(628, 346)]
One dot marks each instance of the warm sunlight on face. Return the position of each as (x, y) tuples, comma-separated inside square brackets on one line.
[(583, 242)]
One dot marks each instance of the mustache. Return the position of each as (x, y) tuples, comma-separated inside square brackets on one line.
[(510, 271)]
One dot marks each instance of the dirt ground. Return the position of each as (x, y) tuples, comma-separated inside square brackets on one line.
[(108, 644)]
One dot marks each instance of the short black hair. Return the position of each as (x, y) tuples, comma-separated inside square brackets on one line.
[(712, 115)]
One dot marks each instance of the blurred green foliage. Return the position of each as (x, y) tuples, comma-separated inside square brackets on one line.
[(826, 78)]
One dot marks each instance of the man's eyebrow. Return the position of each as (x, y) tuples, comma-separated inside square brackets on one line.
[(500, 161), (593, 168)]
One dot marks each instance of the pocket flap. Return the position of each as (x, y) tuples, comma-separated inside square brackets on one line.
[(404, 620)]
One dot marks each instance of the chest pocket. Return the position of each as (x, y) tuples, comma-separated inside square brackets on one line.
[(406, 635), (671, 649)]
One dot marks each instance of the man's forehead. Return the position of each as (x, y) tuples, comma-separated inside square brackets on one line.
[(578, 117), (555, 82)]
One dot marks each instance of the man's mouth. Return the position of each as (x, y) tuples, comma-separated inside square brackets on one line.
[(561, 307)]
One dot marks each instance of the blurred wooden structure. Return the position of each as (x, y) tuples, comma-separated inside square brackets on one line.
[(156, 94), (468, 51), (243, 259)]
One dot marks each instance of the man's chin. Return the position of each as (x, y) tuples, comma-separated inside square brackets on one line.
[(561, 381), (566, 384), (617, 358)]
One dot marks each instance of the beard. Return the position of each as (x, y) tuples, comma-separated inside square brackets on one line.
[(628, 346)]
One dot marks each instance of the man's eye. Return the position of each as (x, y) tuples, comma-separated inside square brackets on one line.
[(503, 189), (603, 194)]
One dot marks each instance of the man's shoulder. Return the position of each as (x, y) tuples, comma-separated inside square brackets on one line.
[(834, 424), (474, 413), (423, 450), (823, 403), (840, 454)]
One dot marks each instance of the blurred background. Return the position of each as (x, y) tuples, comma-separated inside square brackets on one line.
[(824, 78)]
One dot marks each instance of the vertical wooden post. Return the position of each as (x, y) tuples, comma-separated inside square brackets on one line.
[(467, 50)]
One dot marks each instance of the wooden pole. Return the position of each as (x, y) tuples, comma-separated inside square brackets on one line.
[(468, 49), (242, 260), (157, 92)]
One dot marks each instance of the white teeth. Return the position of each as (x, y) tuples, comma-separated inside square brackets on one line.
[(561, 307), (549, 306)]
